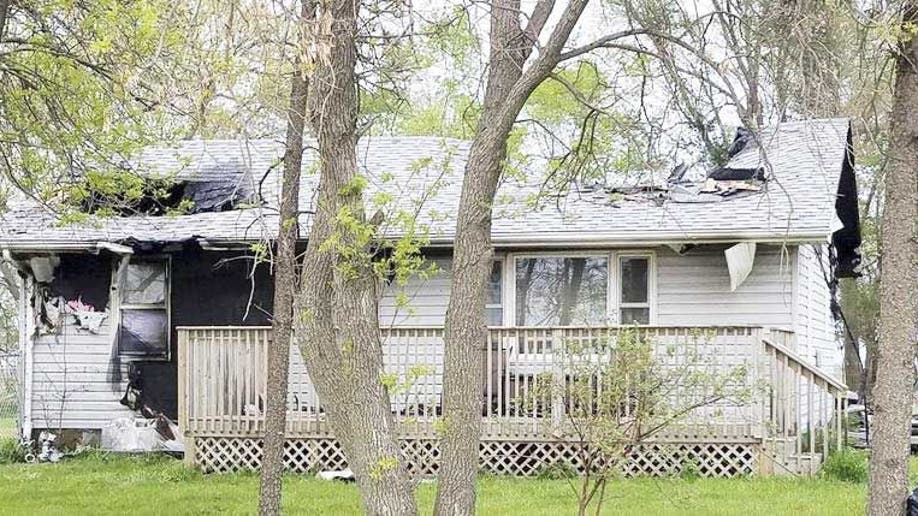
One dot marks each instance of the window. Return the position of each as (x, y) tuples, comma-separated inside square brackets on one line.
[(494, 309), (561, 291), (634, 295), (144, 329)]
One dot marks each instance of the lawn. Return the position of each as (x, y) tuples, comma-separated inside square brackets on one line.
[(8, 426), (109, 484)]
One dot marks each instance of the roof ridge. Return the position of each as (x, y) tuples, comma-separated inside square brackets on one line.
[(382, 138)]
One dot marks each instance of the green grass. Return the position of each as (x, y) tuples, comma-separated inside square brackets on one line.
[(110, 484), (8, 426)]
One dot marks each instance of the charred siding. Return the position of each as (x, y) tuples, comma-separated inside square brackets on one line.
[(71, 385)]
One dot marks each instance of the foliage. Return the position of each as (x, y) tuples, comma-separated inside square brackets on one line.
[(11, 451), (621, 390), (390, 243), (77, 87), (847, 465)]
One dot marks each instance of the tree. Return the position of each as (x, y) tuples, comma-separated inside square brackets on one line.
[(336, 317), (892, 395), (79, 87), (285, 281), (510, 81)]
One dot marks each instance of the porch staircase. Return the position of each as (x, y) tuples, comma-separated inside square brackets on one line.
[(803, 410), (782, 457)]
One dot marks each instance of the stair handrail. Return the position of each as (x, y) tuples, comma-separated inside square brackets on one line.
[(784, 350)]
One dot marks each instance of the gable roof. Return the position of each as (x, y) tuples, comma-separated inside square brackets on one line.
[(803, 160)]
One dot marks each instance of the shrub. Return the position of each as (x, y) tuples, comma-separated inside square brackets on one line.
[(847, 465), (557, 471), (690, 470), (11, 451)]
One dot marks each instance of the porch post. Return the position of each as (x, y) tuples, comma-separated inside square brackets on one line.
[(182, 352), (557, 380), (759, 374)]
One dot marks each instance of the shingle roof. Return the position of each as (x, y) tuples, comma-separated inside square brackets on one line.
[(424, 175)]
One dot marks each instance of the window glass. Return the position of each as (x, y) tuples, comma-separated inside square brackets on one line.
[(634, 280), (494, 311), (560, 291), (144, 332), (144, 329), (494, 286), (145, 283)]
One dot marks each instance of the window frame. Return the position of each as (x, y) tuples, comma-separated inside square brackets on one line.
[(616, 290), (613, 287), (499, 259), (166, 305)]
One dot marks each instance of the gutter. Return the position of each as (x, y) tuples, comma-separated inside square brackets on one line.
[(584, 240), (51, 247), (529, 240)]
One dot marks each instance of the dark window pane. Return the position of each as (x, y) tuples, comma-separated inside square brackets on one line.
[(494, 285), (634, 280), (495, 316), (635, 316), (561, 291), (143, 332), (145, 283)]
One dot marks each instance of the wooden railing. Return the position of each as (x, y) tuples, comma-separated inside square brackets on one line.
[(222, 382), (222, 386), (804, 406)]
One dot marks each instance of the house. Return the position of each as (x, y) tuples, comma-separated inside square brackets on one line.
[(169, 313)]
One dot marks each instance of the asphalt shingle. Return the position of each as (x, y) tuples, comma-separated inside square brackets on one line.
[(424, 176)]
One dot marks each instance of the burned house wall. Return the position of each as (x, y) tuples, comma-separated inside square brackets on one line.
[(73, 384), (72, 366), (207, 289)]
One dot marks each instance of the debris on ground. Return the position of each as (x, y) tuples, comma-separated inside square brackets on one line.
[(344, 475), (138, 434), (48, 444)]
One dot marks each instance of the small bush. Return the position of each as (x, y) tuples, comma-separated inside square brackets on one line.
[(846, 465), (11, 451), (557, 471), (690, 470)]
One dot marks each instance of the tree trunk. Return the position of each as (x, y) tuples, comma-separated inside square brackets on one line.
[(892, 395), (508, 87), (272, 462), (466, 330), (854, 368), (337, 314)]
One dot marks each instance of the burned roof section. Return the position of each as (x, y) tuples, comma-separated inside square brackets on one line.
[(133, 192), (685, 184)]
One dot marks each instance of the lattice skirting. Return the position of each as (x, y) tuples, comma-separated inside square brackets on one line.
[(225, 454)]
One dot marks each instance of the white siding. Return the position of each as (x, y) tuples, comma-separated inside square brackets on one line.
[(815, 328), (70, 387), (427, 299), (693, 289)]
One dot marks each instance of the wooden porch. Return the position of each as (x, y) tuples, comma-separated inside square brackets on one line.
[(788, 424)]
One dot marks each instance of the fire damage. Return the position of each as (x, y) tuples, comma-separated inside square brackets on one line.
[(683, 184), (129, 193), (728, 183), (128, 307), (71, 296)]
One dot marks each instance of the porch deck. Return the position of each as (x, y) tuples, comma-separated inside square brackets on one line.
[(788, 424)]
